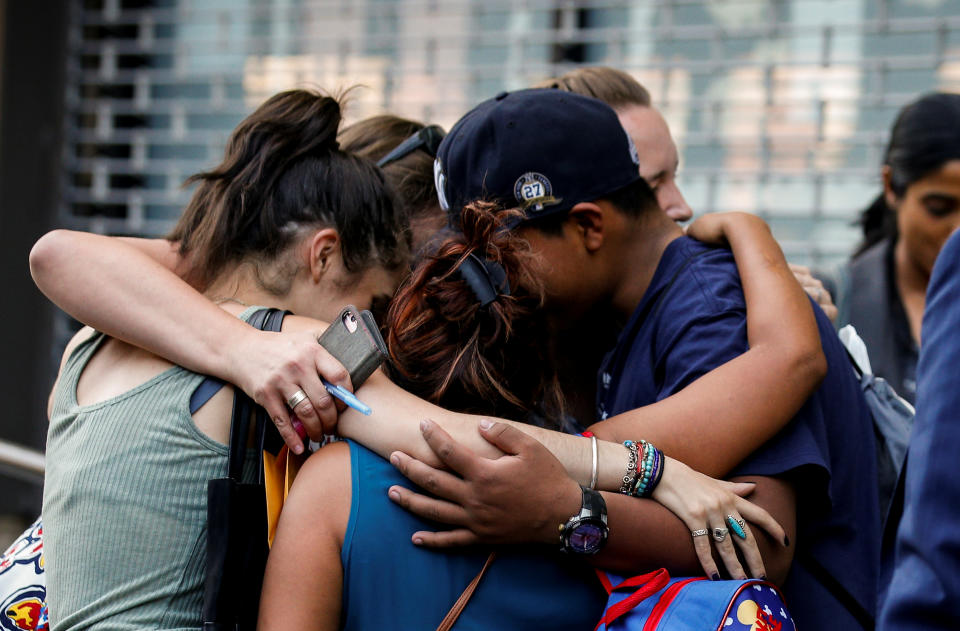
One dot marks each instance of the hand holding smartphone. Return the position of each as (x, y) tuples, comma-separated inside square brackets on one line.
[(355, 340)]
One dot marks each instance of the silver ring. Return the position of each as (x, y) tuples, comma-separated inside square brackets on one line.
[(819, 294), (298, 397), (700, 533), (719, 534)]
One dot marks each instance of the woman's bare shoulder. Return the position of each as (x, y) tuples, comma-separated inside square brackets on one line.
[(329, 461), (322, 489)]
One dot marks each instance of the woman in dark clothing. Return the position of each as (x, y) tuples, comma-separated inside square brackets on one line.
[(904, 229)]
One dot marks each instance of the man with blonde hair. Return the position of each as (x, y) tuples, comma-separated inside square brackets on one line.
[(644, 124)]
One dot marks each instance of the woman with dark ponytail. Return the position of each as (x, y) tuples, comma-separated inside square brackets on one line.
[(904, 229), (282, 170), (286, 220)]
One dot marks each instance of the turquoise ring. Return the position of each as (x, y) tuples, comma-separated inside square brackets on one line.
[(737, 526)]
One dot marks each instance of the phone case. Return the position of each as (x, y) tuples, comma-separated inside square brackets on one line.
[(361, 351)]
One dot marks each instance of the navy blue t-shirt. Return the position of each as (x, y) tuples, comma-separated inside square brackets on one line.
[(691, 320)]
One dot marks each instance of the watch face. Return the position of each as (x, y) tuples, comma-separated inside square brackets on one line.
[(586, 538)]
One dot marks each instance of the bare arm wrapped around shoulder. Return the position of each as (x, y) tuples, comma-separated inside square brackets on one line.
[(130, 289), (751, 397)]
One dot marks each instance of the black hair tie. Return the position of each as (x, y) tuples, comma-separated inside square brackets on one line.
[(486, 278)]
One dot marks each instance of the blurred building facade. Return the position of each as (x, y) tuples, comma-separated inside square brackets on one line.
[(779, 107)]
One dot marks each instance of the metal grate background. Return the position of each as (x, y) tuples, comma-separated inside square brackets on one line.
[(780, 107)]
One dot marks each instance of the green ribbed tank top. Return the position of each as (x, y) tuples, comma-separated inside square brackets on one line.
[(124, 503)]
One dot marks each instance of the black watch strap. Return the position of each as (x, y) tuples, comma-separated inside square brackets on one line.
[(593, 504)]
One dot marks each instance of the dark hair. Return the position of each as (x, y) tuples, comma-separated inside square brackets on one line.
[(924, 137), (449, 349), (283, 170), (614, 87), (411, 176), (633, 200)]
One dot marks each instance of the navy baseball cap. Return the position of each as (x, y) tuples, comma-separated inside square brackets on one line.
[(541, 150)]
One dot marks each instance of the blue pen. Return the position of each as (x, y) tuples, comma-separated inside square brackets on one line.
[(347, 397)]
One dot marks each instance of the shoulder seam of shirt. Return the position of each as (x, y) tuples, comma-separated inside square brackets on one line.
[(716, 306)]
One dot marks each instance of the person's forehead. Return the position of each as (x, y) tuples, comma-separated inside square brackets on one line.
[(946, 179), (651, 136)]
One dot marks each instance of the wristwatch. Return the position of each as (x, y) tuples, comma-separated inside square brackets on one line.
[(586, 532)]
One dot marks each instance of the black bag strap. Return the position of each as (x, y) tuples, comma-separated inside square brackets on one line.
[(243, 407), (239, 431)]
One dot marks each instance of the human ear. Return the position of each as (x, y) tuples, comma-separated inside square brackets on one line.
[(587, 220), (322, 247), (889, 195)]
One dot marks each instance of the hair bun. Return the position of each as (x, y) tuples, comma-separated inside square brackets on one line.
[(485, 227), (457, 351)]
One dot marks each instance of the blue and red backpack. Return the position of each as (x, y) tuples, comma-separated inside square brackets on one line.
[(655, 602)]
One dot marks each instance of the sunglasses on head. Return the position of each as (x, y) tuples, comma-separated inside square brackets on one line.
[(427, 139)]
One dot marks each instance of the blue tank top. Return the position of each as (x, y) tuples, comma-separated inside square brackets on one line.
[(388, 583)]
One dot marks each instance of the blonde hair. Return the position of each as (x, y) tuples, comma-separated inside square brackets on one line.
[(614, 87)]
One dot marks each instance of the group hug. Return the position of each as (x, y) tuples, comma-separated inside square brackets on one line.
[(580, 384)]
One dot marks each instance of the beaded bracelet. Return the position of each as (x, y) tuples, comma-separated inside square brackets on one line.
[(648, 471), (644, 470), (655, 467), (630, 477)]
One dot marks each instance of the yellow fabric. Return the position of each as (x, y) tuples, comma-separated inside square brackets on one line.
[(278, 474)]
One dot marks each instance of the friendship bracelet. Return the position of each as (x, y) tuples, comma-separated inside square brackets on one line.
[(595, 469)]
